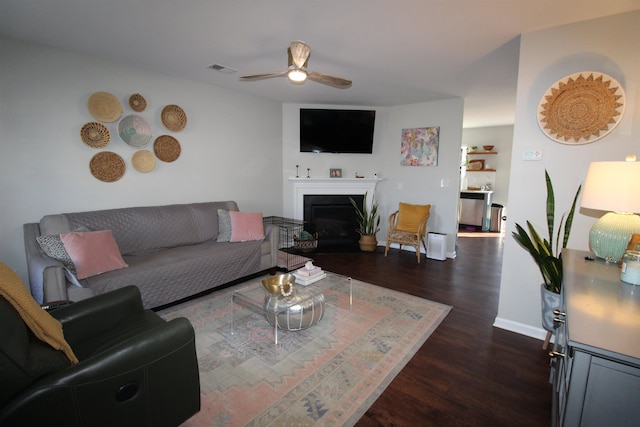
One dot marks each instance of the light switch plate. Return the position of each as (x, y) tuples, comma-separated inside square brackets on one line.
[(531, 155)]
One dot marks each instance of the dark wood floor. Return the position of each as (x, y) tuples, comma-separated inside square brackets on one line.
[(468, 373)]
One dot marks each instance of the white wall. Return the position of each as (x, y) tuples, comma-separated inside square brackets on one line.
[(608, 45), (231, 146), (419, 185)]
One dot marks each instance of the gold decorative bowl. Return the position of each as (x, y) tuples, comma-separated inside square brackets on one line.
[(487, 147), (272, 284)]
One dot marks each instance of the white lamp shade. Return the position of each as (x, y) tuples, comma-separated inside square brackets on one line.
[(612, 186)]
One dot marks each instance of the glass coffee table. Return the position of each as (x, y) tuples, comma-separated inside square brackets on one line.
[(253, 298)]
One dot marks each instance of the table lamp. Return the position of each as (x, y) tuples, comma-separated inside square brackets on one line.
[(613, 187)]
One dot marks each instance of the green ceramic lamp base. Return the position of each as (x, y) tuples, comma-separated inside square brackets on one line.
[(610, 235)]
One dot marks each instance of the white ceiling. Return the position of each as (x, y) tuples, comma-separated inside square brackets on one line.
[(395, 51)]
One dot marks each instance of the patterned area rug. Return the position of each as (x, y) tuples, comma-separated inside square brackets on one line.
[(328, 374)]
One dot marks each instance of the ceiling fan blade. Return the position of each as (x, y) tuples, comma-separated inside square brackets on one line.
[(326, 79), (300, 52), (263, 76)]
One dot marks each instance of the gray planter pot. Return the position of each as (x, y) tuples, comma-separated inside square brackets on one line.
[(550, 301)]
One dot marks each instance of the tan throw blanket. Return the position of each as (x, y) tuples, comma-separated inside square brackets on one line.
[(41, 323)]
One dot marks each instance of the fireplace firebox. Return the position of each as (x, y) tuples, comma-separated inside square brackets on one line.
[(334, 219)]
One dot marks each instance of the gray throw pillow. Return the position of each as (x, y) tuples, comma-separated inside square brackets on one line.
[(224, 226)]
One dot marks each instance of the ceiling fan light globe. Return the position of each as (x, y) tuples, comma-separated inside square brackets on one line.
[(297, 76)]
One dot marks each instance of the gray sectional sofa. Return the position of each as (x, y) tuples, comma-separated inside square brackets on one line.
[(171, 251)]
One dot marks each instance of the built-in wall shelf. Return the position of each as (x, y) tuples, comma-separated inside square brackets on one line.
[(482, 170), (480, 153)]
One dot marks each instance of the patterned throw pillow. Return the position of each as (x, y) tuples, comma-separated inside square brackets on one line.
[(53, 247), (224, 226)]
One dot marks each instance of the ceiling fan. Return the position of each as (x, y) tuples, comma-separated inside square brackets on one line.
[(297, 71)]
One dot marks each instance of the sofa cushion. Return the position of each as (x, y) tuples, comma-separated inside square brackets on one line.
[(169, 275), (410, 216), (136, 229), (93, 252), (246, 226), (54, 224)]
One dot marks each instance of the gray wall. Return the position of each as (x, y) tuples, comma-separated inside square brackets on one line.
[(608, 45), (502, 138), (409, 184), (231, 147)]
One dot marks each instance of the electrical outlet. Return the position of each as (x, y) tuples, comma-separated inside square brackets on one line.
[(444, 182), (531, 155)]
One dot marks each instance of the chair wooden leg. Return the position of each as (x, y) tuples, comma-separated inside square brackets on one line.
[(386, 248), (418, 252), (546, 341)]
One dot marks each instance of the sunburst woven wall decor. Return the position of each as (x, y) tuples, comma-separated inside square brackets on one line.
[(581, 108)]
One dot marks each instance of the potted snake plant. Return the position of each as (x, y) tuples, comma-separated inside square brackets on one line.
[(548, 260), (368, 223)]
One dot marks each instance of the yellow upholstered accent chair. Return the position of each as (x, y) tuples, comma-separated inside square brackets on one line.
[(408, 226)]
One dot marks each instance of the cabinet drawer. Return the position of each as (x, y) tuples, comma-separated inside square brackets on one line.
[(611, 395)]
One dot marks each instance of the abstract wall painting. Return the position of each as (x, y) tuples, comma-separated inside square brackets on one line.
[(419, 146)]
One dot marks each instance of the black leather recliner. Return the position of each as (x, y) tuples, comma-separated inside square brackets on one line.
[(135, 369)]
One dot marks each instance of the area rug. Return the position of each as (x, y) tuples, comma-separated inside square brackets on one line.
[(326, 375)]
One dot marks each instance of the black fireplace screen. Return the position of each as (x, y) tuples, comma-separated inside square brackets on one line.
[(334, 219)]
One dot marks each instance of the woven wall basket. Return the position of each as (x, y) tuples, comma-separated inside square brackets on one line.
[(174, 118), (143, 161), (135, 131), (581, 108), (137, 102), (107, 166), (166, 148), (95, 135), (104, 107)]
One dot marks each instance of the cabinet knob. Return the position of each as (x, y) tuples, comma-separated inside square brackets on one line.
[(553, 354)]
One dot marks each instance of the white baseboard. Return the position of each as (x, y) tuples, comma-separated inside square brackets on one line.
[(520, 328), (451, 255)]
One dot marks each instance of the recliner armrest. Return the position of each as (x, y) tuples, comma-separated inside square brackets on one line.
[(131, 353), (148, 379), (99, 313)]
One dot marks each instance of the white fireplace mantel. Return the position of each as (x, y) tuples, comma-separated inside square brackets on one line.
[(329, 186)]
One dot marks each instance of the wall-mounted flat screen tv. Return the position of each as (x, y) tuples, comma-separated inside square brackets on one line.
[(336, 131)]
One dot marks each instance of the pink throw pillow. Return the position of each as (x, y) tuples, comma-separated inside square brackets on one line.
[(246, 226), (93, 252)]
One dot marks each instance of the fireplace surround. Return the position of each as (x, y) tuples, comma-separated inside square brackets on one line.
[(329, 211)]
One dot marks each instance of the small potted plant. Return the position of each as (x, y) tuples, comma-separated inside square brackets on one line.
[(368, 223), (542, 250)]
